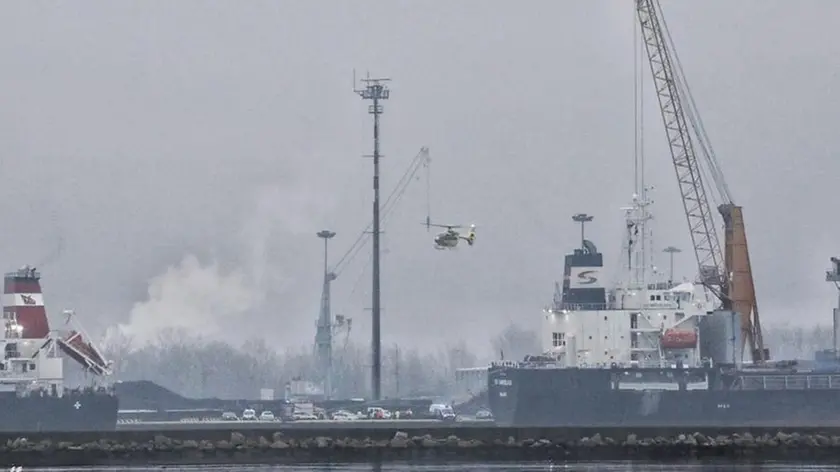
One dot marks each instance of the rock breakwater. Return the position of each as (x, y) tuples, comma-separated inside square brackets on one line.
[(277, 448)]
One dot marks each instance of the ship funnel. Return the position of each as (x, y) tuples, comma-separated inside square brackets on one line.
[(583, 288), (23, 303)]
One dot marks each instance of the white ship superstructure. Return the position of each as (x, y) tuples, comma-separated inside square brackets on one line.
[(642, 320), (31, 363)]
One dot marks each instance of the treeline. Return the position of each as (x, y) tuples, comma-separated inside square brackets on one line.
[(797, 342), (195, 367)]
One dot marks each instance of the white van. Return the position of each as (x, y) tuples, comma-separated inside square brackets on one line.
[(442, 411)]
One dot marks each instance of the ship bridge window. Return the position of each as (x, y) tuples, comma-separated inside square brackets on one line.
[(558, 339)]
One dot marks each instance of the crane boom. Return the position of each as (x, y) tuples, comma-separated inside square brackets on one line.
[(696, 205), (728, 273)]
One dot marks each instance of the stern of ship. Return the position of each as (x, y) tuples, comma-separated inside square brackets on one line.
[(33, 395)]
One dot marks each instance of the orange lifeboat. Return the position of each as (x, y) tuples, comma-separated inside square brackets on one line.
[(83, 352), (679, 339)]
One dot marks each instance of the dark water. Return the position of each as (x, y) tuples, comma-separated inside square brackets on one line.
[(478, 467)]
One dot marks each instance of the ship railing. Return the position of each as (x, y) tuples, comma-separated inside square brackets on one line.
[(541, 363), (660, 364), (583, 306), (653, 385), (25, 272), (788, 382)]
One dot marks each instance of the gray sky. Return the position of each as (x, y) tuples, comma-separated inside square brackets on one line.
[(216, 138)]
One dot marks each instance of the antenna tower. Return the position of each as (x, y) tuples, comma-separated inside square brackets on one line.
[(375, 90)]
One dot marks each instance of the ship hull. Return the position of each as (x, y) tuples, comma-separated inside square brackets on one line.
[(524, 397), (70, 413)]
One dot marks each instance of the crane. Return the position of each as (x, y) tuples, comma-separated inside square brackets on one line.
[(726, 273)]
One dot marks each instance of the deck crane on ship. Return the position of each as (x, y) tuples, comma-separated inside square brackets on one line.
[(726, 273)]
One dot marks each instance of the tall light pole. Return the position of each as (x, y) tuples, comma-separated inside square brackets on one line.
[(671, 250), (323, 335), (582, 218), (375, 90)]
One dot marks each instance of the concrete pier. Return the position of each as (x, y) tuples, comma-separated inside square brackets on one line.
[(286, 445)]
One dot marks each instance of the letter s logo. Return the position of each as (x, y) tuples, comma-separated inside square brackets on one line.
[(587, 277)]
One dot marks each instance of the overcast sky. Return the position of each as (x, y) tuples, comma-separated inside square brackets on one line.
[(189, 151)]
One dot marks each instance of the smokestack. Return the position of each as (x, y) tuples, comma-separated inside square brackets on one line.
[(24, 302)]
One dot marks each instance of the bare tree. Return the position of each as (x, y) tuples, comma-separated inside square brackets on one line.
[(116, 348), (195, 367), (796, 342)]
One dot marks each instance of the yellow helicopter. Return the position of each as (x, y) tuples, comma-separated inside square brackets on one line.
[(449, 239)]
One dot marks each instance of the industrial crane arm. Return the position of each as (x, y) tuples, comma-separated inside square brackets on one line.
[(696, 205), (726, 273)]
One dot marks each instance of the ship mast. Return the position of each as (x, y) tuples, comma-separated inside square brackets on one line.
[(637, 241)]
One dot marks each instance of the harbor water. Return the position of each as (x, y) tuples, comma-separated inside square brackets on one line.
[(484, 467)]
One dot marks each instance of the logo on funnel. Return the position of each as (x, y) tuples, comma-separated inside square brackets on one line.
[(28, 299), (587, 277)]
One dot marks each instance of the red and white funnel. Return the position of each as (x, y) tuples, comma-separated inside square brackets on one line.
[(24, 302)]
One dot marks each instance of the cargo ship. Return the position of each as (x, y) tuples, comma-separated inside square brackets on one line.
[(33, 395), (646, 350)]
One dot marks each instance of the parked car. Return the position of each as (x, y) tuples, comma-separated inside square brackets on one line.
[(229, 416), (378, 413), (267, 416), (483, 414), (301, 416), (249, 415), (342, 415)]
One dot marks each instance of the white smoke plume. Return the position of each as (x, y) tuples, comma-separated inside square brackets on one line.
[(209, 301), (194, 296)]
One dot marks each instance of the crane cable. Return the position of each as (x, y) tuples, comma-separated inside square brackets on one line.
[(396, 194), (713, 168), (421, 160), (428, 165)]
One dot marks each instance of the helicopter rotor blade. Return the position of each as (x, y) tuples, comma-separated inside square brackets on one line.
[(441, 226)]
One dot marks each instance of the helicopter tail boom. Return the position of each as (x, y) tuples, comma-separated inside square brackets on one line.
[(471, 236)]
